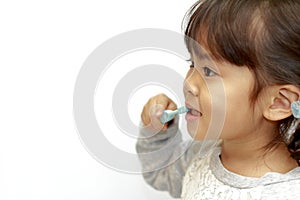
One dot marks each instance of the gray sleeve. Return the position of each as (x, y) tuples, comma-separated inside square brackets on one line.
[(165, 158)]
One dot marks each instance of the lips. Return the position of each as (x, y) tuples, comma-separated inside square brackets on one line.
[(193, 114)]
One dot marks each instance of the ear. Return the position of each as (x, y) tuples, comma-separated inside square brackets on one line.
[(278, 101)]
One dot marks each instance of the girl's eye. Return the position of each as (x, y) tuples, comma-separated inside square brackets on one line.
[(209, 72)]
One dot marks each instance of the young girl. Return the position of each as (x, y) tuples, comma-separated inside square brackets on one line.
[(254, 49)]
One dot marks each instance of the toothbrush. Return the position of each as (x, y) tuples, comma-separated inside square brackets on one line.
[(168, 115)]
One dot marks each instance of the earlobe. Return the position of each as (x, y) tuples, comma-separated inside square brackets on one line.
[(281, 98)]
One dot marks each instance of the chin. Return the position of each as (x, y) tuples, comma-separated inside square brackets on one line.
[(195, 132)]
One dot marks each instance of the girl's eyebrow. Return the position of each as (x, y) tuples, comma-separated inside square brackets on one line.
[(200, 54), (203, 56)]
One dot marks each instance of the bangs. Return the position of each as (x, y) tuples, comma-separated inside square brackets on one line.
[(226, 29)]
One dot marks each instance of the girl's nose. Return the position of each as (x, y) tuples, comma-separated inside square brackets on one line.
[(190, 84)]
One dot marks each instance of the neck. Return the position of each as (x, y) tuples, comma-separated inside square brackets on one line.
[(249, 156)]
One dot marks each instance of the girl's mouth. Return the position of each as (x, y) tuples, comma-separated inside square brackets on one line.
[(192, 115)]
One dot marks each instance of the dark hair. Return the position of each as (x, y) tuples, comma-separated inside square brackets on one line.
[(263, 35)]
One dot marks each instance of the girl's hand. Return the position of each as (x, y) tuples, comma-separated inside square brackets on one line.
[(153, 110)]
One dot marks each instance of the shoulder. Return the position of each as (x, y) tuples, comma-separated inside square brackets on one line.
[(287, 189)]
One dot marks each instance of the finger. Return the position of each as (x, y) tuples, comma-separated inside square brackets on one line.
[(156, 112), (153, 110), (171, 105), (145, 115)]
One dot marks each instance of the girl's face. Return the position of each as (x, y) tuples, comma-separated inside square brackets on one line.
[(217, 94)]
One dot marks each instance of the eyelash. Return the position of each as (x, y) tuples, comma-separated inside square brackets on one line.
[(206, 70)]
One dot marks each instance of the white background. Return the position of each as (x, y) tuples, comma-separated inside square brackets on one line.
[(42, 47)]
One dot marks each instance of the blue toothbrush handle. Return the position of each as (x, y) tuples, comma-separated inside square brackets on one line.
[(168, 115)]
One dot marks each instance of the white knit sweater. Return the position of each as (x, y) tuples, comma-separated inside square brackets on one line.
[(193, 171)]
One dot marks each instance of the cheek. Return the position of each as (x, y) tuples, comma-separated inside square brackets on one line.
[(215, 109), (199, 129), (211, 102), (238, 113)]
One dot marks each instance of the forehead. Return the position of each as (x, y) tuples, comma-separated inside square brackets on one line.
[(202, 58), (224, 68), (200, 53)]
